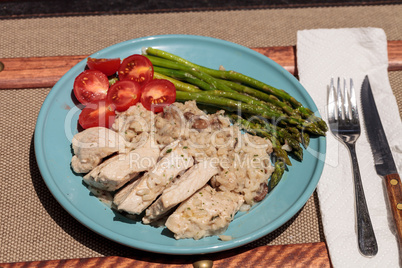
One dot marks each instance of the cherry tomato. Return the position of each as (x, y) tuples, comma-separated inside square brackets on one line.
[(158, 94), (136, 68), (124, 94), (90, 85), (99, 113), (106, 66)]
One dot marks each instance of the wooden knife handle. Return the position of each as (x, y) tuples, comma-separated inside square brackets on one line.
[(394, 189)]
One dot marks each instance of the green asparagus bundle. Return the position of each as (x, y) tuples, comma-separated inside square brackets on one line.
[(278, 116), (233, 76)]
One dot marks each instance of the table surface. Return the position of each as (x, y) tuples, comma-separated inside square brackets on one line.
[(34, 226), (24, 8)]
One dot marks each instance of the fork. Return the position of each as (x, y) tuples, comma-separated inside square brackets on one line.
[(343, 119)]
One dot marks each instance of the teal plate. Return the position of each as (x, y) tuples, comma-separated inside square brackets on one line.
[(57, 123)]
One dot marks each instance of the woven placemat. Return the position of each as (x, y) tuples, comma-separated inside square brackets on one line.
[(255, 28), (33, 225)]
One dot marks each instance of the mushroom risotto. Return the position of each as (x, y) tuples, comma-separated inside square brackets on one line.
[(191, 170)]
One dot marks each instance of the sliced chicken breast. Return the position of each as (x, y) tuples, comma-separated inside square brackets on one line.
[(151, 185), (184, 187), (122, 194), (205, 213), (120, 169), (92, 145)]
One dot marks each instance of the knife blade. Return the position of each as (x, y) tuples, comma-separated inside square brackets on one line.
[(383, 161)]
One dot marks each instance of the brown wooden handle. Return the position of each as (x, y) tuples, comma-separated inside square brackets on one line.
[(39, 72), (394, 190), (36, 71)]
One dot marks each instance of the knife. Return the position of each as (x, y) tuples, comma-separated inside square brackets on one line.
[(383, 160)]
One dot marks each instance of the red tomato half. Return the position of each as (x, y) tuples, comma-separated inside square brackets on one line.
[(106, 66), (97, 114), (158, 94), (136, 68), (124, 94), (90, 85)]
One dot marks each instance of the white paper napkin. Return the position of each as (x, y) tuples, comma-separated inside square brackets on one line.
[(352, 53)]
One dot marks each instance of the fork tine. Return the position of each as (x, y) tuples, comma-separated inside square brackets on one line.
[(339, 101), (346, 100), (353, 103), (331, 102)]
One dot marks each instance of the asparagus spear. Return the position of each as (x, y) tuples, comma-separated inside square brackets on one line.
[(305, 139), (178, 84), (185, 76), (258, 94), (281, 134), (205, 86), (231, 105), (288, 134), (207, 82), (184, 87), (279, 169), (228, 75), (280, 154), (160, 62), (275, 95), (276, 145), (180, 75), (258, 98)]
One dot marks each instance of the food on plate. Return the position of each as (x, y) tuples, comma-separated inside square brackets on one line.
[(103, 96), (90, 85), (136, 68), (158, 94), (205, 213), (147, 188), (194, 149), (165, 160), (91, 146), (124, 94), (107, 66), (99, 113), (120, 169), (190, 182), (274, 113)]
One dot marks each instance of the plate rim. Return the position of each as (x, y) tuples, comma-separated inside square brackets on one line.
[(83, 219)]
